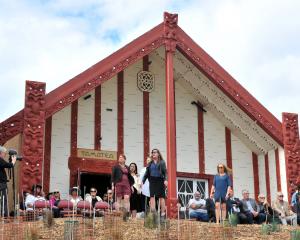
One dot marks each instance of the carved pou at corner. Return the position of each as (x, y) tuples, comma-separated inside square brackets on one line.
[(33, 135), (290, 130), (170, 27)]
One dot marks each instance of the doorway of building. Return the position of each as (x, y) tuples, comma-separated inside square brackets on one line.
[(99, 181)]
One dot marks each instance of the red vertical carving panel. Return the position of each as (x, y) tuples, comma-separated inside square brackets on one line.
[(170, 26), (267, 174), (146, 122), (255, 175), (120, 113), (47, 154), (74, 126), (278, 178), (97, 133), (33, 135), (290, 130)]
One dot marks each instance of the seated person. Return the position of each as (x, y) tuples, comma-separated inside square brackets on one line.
[(265, 209), (92, 197), (110, 197), (197, 208), (282, 208), (250, 209), (235, 206), (75, 196), (54, 201), (36, 194)]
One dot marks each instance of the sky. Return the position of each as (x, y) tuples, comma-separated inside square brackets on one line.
[(257, 42)]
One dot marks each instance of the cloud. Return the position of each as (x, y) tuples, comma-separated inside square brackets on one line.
[(52, 41)]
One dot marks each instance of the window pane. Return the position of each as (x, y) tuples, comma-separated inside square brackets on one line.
[(201, 187), (180, 186), (189, 186)]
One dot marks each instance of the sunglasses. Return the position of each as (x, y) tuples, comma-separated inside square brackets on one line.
[(93, 191), (55, 192), (221, 167), (280, 196)]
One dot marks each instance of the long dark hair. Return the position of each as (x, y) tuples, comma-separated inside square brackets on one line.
[(135, 166), (159, 154)]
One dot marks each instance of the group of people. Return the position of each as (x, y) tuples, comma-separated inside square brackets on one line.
[(130, 192), (133, 191), (136, 193), (223, 203)]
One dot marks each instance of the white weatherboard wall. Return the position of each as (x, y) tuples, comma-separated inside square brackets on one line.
[(214, 143), (242, 167), (60, 151), (283, 172), (109, 115), (86, 121), (157, 109), (133, 117), (262, 174), (272, 174), (186, 131)]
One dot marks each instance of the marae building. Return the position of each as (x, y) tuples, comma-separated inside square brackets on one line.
[(163, 91)]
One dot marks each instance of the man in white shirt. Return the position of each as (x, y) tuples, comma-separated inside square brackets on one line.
[(197, 208)]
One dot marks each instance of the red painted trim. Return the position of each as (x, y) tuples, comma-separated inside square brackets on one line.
[(278, 178), (11, 127), (146, 120), (228, 150), (226, 83), (97, 133), (255, 175), (47, 155), (267, 173), (201, 141), (170, 126), (120, 113), (208, 177), (74, 125)]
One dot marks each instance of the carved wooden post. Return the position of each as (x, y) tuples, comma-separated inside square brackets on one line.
[(170, 26), (290, 130), (33, 135)]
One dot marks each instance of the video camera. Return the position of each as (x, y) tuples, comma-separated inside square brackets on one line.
[(13, 152)]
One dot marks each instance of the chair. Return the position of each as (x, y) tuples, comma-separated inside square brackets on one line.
[(40, 204), (85, 208), (66, 208), (101, 206)]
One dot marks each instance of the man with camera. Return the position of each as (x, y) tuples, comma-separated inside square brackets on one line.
[(3, 179)]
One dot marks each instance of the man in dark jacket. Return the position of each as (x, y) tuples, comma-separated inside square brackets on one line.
[(3, 179), (235, 206)]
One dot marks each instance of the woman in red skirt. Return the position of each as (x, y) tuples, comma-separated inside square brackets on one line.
[(122, 182)]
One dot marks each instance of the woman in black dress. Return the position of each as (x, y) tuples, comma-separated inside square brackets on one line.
[(156, 173)]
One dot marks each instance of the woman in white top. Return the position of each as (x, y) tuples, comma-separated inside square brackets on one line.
[(145, 196), (135, 198), (75, 196)]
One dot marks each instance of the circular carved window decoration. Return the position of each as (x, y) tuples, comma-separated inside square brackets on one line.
[(145, 81)]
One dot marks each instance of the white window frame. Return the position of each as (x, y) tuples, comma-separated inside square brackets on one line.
[(194, 186)]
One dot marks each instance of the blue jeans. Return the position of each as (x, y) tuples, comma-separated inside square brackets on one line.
[(200, 216)]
